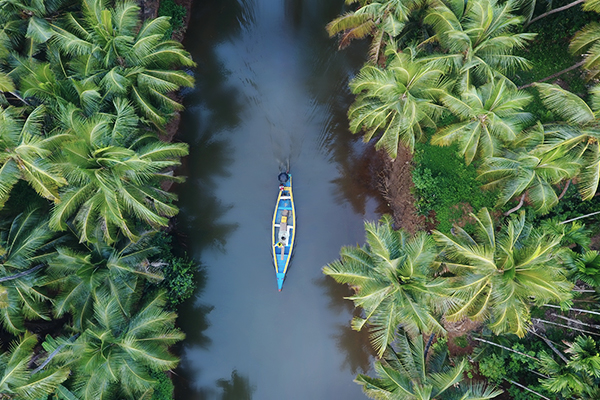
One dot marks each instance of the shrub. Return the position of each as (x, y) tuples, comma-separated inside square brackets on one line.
[(163, 389), (446, 185), (168, 8), (179, 271)]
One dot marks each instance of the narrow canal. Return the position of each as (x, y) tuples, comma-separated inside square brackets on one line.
[(271, 91)]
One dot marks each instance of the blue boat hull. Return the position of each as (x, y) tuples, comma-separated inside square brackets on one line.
[(284, 231)]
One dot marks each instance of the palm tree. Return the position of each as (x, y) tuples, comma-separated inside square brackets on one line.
[(409, 374), (113, 356), (489, 116), (26, 21), (579, 377), (18, 381), (372, 18), (79, 276), (398, 100), (497, 276), (476, 39), (392, 278), (530, 169), (28, 154), (26, 244), (586, 42), (111, 185), (107, 47), (578, 135)]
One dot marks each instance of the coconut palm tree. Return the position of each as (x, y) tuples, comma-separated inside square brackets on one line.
[(586, 42), (17, 381), (579, 377), (25, 26), (397, 101), (489, 116), (108, 47), (393, 283), (28, 154), (476, 39), (578, 135), (111, 185), (78, 276), (26, 244), (381, 19), (529, 169), (496, 276), (113, 356), (407, 373)]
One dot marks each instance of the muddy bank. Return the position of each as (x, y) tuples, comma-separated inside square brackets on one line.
[(396, 188)]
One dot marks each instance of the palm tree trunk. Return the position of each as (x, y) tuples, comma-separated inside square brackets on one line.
[(505, 348), (551, 345), (564, 189), (583, 216), (526, 388), (553, 11), (512, 210), (572, 67), (20, 274), (428, 344), (573, 309), (55, 352), (576, 321), (565, 326), (20, 98)]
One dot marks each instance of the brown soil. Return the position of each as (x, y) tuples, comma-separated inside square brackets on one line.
[(397, 190), (460, 328)]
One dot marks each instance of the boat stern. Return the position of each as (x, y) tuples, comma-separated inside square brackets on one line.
[(280, 278)]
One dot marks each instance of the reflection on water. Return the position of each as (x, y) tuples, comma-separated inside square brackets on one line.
[(236, 388)]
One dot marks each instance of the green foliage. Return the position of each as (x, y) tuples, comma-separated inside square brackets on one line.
[(549, 50), (441, 344), (393, 282), (168, 8), (461, 341), (446, 186), (500, 365), (569, 207), (163, 388), (178, 271), (492, 367)]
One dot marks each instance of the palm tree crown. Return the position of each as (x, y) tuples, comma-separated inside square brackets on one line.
[(113, 356), (26, 245), (114, 185), (79, 276), (407, 373), (391, 275), (476, 38), (28, 154), (497, 276), (397, 101), (105, 46), (578, 135), (489, 115)]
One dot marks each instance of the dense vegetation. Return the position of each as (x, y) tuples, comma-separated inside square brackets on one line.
[(88, 277), (509, 90)]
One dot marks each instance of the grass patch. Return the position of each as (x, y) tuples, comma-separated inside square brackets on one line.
[(445, 185)]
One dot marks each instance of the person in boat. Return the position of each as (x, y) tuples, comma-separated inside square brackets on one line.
[(283, 178)]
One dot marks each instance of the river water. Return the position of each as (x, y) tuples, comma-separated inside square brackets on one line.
[(271, 91)]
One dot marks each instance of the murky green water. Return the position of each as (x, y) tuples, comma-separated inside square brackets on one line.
[(271, 89)]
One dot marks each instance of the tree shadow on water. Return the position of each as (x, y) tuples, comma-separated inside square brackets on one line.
[(236, 388), (354, 345)]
